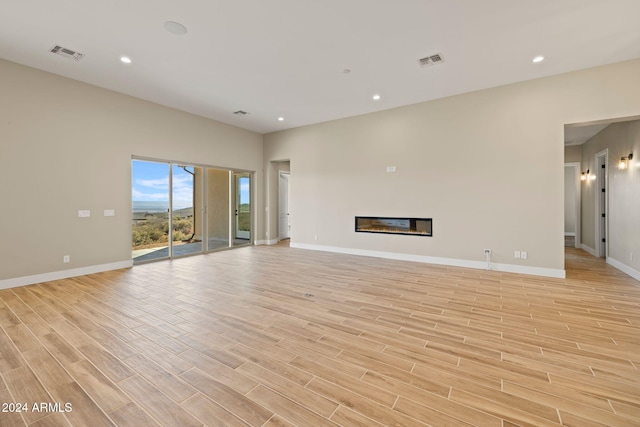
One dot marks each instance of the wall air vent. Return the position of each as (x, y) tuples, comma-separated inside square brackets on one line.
[(240, 113), (430, 60), (67, 53)]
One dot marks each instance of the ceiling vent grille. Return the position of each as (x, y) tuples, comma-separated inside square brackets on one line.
[(430, 60), (240, 113), (67, 53)]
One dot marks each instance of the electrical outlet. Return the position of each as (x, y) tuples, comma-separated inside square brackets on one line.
[(315, 237), (487, 252), (516, 254), (66, 259), (630, 256), (523, 255)]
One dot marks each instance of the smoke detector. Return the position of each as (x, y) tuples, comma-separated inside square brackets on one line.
[(67, 53), (430, 60)]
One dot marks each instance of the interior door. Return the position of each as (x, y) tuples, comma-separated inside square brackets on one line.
[(242, 207), (602, 205), (284, 218)]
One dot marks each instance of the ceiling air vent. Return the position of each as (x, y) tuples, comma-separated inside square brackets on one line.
[(67, 53), (240, 113), (428, 61)]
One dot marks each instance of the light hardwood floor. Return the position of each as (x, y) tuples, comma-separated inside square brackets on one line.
[(273, 336)]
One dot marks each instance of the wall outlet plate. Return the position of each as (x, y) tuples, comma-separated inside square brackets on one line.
[(523, 255), (516, 254), (487, 252)]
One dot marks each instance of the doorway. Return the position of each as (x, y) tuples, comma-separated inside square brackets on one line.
[(572, 200), (284, 217)]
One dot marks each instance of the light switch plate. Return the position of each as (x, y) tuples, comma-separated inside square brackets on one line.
[(391, 168), (84, 213), (109, 212)]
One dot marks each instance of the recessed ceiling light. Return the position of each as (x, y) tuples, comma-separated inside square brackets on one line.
[(175, 28), (376, 97), (280, 119), (125, 59), (538, 59)]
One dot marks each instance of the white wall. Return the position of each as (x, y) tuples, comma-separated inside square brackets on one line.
[(486, 166), (65, 146)]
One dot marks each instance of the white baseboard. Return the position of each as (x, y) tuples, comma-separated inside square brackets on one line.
[(588, 249), (569, 234), (63, 274), (624, 268), (481, 265)]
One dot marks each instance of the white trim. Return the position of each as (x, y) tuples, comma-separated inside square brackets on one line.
[(624, 268), (480, 265), (569, 234), (280, 175), (63, 274), (588, 249)]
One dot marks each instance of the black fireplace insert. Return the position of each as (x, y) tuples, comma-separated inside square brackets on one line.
[(392, 225)]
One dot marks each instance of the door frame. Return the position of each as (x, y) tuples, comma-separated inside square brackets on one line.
[(281, 175), (578, 200), (602, 204), (237, 175)]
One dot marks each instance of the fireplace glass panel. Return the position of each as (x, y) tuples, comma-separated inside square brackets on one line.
[(388, 225)]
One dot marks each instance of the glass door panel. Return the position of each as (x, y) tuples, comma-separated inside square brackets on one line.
[(242, 229), (217, 208), (150, 203), (187, 209)]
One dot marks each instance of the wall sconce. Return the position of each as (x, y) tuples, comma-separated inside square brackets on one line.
[(624, 161), (584, 175)]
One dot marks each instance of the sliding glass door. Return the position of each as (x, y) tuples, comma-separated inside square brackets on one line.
[(186, 212), (208, 209), (217, 211), (150, 202)]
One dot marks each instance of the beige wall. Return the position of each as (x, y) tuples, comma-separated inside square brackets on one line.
[(573, 154), (486, 166), (66, 145), (619, 139)]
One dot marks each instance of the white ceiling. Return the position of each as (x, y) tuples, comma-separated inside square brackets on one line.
[(286, 58)]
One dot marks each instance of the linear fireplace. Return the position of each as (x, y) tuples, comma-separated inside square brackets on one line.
[(388, 225)]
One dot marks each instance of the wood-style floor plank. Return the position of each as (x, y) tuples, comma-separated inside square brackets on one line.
[(271, 336)]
